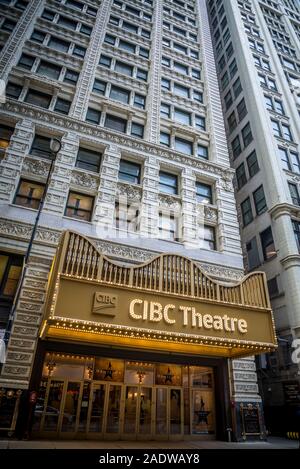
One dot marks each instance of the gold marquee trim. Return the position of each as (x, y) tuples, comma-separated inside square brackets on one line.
[(78, 257)]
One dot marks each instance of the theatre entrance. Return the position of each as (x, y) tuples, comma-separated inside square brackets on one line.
[(126, 400)]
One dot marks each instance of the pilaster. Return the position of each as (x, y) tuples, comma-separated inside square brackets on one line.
[(16, 371), (150, 203), (152, 131), (11, 51), (11, 165), (87, 75)]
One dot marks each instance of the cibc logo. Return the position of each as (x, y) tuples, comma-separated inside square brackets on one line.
[(104, 301)]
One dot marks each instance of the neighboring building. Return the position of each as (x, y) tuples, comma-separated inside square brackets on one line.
[(146, 304), (257, 52)]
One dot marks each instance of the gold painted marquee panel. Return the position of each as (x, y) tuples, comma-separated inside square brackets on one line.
[(79, 270)]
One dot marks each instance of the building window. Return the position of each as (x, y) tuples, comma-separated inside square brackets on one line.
[(10, 271), (115, 123), (267, 244), (200, 123), (283, 153), (168, 183), (247, 135), (48, 15), (231, 122), (273, 287), (26, 61), (99, 87), (228, 100), (137, 130), (5, 135), (139, 101), (85, 29), (236, 147), (241, 176), (49, 70), (168, 227), (119, 94), (41, 147), (67, 23), (165, 84), (37, 36), (38, 99), (62, 106), (93, 116), (252, 164), (198, 96), (126, 217), (252, 254), (184, 146), (141, 74), (123, 68), (241, 109), (204, 193), (237, 88), (71, 77), (29, 194), (294, 193), (8, 25), (88, 159), (164, 139), (127, 46), (130, 172), (79, 206), (295, 162), (180, 90), (183, 69), (246, 211), (165, 110), (182, 117), (296, 228), (260, 200), (13, 90), (208, 238), (58, 44), (202, 152), (105, 61)]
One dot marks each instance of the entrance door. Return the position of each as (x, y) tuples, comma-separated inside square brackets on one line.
[(137, 412), (169, 413)]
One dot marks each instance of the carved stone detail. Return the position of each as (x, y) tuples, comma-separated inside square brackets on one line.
[(169, 201), (85, 180), (132, 193), (36, 167)]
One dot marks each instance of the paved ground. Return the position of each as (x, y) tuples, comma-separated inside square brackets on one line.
[(272, 443)]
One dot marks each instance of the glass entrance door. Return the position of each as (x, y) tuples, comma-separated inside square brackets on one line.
[(169, 413), (137, 412)]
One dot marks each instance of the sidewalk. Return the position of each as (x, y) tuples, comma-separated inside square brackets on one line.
[(272, 443)]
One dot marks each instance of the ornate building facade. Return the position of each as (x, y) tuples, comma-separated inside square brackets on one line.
[(130, 90), (259, 77)]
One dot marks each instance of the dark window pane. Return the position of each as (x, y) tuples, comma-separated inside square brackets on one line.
[(267, 244), (88, 159), (41, 146), (62, 106), (129, 172), (115, 123), (79, 206), (29, 194), (38, 98)]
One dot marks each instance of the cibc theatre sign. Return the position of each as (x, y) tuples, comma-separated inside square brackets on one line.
[(166, 304)]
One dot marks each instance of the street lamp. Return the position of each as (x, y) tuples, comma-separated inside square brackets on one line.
[(55, 146)]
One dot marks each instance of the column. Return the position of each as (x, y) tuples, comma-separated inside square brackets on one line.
[(11, 51), (105, 203), (149, 209), (189, 208), (12, 163), (87, 75), (152, 131), (16, 371)]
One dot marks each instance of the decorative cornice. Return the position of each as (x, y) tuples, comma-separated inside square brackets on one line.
[(50, 237), (284, 209)]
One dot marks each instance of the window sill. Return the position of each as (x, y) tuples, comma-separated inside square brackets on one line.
[(77, 219)]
